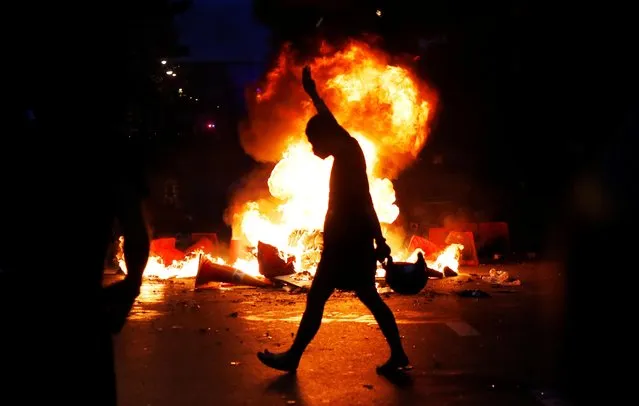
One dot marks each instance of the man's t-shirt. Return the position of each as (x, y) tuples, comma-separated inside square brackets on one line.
[(348, 219)]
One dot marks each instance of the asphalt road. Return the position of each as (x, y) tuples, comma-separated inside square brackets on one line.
[(182, 347)]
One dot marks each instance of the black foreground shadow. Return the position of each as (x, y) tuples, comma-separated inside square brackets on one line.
[(286, 385)]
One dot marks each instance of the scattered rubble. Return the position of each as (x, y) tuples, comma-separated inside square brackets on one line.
[(211, 272), (277, 271), (270, 262), (501, 278)]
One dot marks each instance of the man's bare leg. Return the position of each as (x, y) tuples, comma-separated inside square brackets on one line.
[(311, 321), (386, 321)]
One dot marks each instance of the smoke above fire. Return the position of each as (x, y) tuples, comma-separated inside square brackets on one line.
[(385, 106)]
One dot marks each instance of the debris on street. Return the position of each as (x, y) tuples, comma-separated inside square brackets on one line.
[(502, 278), (473, 293)]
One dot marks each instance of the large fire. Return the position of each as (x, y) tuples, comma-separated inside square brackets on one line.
[(383, 105)]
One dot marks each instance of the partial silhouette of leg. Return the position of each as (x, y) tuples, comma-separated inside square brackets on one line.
[(321, 290), (386, 321)]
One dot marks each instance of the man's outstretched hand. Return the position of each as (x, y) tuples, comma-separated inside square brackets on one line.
[(308, 82)]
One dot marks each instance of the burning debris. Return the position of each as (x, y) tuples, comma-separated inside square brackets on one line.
[(279, 220), (382, 104), (501, 278), (271, 263), (277, 269), (209, 271)]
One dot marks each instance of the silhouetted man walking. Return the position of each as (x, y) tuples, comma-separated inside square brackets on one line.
[(351, 226)]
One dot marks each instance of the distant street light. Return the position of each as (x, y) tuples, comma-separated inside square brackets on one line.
[(163, 62), (169, 72)]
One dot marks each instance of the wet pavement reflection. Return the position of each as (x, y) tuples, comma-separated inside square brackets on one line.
[(151, 293), (156, 296), (198, 348)]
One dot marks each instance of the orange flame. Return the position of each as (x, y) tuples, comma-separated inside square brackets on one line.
[(384, 106), (187, 267)]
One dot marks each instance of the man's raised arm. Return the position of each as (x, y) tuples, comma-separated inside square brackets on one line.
[(311, 90)]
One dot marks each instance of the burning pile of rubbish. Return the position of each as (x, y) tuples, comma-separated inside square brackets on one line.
[(279, 218), (274, 268)]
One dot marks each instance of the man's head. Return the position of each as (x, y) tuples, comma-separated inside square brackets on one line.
[(321, 133)]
